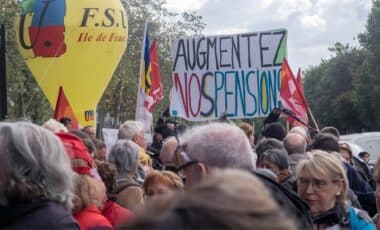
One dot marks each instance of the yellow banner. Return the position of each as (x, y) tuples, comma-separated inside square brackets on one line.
[(75, 44)]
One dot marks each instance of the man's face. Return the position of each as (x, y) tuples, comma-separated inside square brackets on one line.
[(101, 154), (90, 132), (140, 139), (365, 158)]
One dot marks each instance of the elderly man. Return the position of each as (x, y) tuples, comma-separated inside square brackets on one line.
[(222, 145)]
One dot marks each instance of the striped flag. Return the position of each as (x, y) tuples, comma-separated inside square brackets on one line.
[(150, 88)]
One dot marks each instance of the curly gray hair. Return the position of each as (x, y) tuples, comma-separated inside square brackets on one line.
[(125, 156), (33, 164)]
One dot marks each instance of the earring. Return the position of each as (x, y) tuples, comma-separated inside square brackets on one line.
[(337, 194)]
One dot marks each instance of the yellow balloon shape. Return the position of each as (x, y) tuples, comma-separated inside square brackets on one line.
[(75, 44)]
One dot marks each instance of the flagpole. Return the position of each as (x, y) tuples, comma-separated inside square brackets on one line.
[(142, 69), (312, 118)]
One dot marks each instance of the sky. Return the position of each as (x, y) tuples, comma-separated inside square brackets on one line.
[(313, 25)]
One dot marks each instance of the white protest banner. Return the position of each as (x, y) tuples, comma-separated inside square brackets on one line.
[(237, 75), (110, 138)]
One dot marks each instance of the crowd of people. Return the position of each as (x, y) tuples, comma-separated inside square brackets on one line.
[(210, 176)]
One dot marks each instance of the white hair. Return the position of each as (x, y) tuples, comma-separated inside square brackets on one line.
[(220, 145), (33, 164), (54, 126), (129, 129)]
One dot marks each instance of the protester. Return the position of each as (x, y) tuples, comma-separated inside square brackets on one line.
[(223, 145), (225, 199), (66, 121), (276, 160), (323, 184), (331, 130), (158, 183), (364, 156), (134, 131), (125, 156), (346, 153), (360, 187), (266, 144), (274, 130), (114, 213), (248, 130), (101, 150), (90, 131), (303, 131), (377, 193), (36, 179), (90, 200), (54, 126), (167, 158)]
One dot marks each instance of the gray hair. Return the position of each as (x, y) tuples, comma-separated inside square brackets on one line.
[(33, 164), (220, 145), (268, 143), (129, 129), (295, 143), (301, 131), (275, 156), (125, 156)]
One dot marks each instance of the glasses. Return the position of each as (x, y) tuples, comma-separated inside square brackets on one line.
[(182, 159), (318, 185)]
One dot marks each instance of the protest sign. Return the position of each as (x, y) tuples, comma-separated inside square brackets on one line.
[(237, 75)]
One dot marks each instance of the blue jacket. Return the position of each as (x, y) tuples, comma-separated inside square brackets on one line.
[(359, 223)]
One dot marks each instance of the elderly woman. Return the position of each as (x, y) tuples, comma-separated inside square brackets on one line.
[(276, 161), (125, 156), (158, 183), (36, 179), (323, 184)]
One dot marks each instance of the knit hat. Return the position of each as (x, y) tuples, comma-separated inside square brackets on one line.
[(77, 152)]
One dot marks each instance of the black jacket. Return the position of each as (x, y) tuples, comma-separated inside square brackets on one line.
[(289, 202), (39, 214)]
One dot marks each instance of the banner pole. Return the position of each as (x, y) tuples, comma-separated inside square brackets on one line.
[(312, 117)]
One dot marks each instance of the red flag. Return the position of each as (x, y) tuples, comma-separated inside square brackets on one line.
[(292, 97), (63, 109), (299, 81), (155, 91)]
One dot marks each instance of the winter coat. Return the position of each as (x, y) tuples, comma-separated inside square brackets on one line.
[(129, 192), (92, 218), (292, 205), (116, 214), (37, 214)]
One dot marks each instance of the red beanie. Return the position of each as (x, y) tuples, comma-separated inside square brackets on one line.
[(75, 149)]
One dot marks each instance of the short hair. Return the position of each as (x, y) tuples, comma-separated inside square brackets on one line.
[(247, 128), (275, 156), (221, 145), (169, 146), (331, 130), (33, 164), (125, 156), (295, 143), (65, 120), (100, 144), (362, 154), (129, 129), (321, 164), (86, 127), (268, 143), (301, 130), (168, 178), (54, 126), (225, 199), (326, 142), (274, 130)]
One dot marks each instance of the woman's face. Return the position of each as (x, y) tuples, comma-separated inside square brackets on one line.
[(158, 188), (346, 155), (320, 193)]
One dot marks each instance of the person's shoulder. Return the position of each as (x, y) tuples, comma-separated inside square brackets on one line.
[(360, 220)]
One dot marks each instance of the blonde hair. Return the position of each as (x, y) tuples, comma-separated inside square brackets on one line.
[(165, 177), (247, 128), (322, 164), (88, 191)]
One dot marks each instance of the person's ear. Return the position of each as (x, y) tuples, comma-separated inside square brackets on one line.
[(202, 169), (340, 187)]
